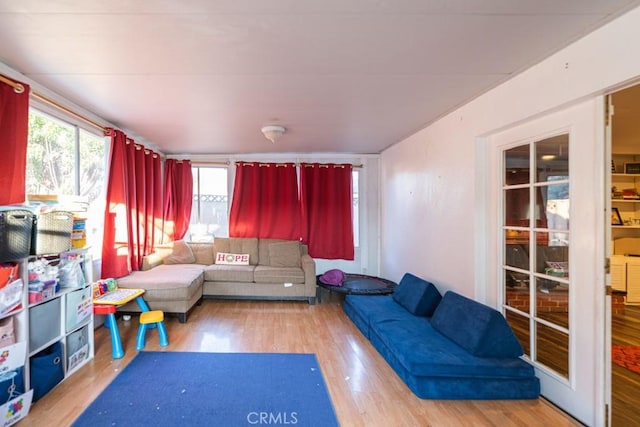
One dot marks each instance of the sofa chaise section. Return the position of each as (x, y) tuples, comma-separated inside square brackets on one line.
[(174, 289)]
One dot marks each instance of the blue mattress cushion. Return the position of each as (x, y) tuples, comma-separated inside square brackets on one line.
[(418, 296), (362, 308), (424, 352), (477, 328)]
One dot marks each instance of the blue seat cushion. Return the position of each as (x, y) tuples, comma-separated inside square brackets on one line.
[(477, 328), (363, 308), (424, 352), (416, 295)]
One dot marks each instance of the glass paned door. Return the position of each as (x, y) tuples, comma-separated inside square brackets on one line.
[(536, 248), (545, 245)]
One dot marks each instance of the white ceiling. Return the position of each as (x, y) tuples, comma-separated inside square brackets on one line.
[(352, 76)]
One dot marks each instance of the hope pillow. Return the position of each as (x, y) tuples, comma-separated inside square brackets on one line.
[(232, 259)]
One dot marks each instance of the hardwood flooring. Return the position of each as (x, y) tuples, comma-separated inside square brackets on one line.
[(364, 389), (625, 385)]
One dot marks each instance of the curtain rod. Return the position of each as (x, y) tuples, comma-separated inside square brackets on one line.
[(196, 163), (68, 111), (20, 88), (17, 87)]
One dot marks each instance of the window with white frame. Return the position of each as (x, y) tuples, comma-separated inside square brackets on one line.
[(69, 163), (356, 208), (210, 210)]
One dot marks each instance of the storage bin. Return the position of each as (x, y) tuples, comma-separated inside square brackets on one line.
[(77, 347), (78, 307), (41, 291), (52, 233), (7, 332), (8, 273), (46, 370), (15, 234), (11, 384), (10, 296), (44, 323)]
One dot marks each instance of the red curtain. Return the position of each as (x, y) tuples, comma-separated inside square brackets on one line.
[(115, 248), (178, 198), (14, 129), (132, 186), (326, 210), (265, 201)]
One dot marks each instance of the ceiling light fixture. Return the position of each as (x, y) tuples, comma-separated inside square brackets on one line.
[(273, 132)]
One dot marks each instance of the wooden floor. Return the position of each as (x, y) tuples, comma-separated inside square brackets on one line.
[(365, 391), (625, 385)]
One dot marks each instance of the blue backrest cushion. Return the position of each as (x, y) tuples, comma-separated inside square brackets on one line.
[(416, 295), (477, 328)]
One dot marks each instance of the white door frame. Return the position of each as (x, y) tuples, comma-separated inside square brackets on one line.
[(583, 395)]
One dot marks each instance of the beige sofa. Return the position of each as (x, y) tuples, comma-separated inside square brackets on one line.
[(177, 278)]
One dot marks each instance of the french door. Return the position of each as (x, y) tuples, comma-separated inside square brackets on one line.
[(545, 236)]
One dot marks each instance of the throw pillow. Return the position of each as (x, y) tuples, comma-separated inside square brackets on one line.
[(333, 277), (232, 259), (284, 254), (416, 295), (181, 254)]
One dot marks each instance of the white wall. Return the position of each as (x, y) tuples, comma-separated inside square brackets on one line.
[(429, 200)]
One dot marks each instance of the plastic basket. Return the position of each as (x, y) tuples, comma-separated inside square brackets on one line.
[(15, 234), (52, 233)]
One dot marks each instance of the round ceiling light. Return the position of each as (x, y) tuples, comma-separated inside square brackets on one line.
[(273, 132)]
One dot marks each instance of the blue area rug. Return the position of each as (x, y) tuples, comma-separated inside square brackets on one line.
[(214, 389)]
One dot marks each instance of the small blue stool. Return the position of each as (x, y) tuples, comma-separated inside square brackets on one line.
[(149, 319)]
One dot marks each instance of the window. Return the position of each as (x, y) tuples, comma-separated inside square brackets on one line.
[(210, 211), (356, 209), (70, 163)]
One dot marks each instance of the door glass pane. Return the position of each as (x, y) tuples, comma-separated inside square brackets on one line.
[(552, 157), (516, 203), (555, 205), (552, 348), (552, 301), (517, 162), (520, 326)]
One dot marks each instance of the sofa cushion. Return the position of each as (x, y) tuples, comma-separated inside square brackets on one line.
[(418, 296), (167, 282), (229, 273), (237, 245), (284, 254), (180, 254), (362, 309), (423, 351), (263, 250), (267, 274), (203, 252), (477, 328)]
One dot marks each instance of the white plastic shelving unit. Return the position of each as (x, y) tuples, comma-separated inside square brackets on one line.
[(66, 318)]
